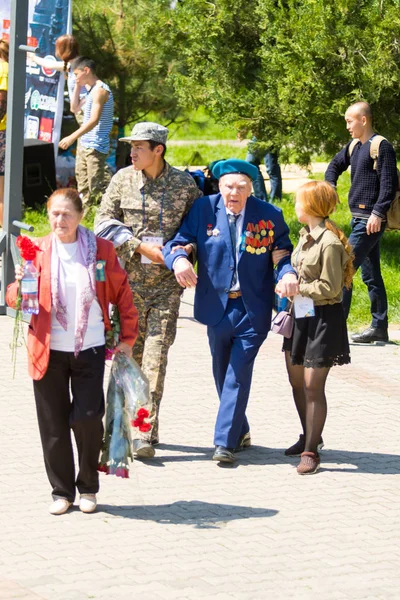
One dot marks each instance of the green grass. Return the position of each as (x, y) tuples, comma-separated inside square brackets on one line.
[(202, 154), (360, 310)]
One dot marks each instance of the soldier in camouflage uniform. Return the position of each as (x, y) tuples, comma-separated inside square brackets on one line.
[(152, 198)]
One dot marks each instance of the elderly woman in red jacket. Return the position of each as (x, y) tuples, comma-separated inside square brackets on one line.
[(79, 276)]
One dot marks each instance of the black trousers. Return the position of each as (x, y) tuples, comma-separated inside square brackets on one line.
[(81, 377)]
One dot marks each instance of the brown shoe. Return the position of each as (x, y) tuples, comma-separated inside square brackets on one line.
[(309, 463)]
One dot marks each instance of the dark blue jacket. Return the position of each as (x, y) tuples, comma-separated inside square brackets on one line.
[(371, 191), (216, 260)]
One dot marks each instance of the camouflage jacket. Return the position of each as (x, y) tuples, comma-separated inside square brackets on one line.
[(150, 207)]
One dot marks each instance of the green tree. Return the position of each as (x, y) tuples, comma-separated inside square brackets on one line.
[(285, 70), (131, 54)]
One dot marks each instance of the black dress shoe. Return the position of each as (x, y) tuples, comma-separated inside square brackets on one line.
[(372, 334), (223, 454), (298, 448), (244, 442)]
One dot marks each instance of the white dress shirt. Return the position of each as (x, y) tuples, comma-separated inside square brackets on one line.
[(239, 229)]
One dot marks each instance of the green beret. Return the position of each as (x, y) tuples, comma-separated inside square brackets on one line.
[(234, 165)]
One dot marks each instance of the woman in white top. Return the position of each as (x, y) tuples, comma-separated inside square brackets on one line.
[(79, 277)]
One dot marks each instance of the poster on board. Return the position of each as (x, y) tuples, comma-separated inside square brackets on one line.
[(44, 88)]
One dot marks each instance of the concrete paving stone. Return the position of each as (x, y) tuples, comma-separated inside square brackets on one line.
[(12, 589), (120, 596), (21, 594), (188, 529)]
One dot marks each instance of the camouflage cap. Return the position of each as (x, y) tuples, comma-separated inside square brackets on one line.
[(147, 131)]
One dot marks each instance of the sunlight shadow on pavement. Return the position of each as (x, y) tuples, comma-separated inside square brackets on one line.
[(202, 515)]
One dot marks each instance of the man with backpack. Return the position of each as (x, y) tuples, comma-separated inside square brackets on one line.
[(373, 189)]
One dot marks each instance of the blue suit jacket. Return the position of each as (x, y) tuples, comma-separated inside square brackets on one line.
[(216, 260)]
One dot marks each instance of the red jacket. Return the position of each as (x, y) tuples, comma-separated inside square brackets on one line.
[(114, 290)]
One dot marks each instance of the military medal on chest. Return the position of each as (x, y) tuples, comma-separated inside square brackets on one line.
[(259, 236)]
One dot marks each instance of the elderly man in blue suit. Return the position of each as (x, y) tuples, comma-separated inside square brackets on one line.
[(235, 234)]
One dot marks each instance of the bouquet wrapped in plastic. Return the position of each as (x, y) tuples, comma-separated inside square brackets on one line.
[(127, 404)]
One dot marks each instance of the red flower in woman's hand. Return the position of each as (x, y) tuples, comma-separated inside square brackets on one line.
[(145, 427), (27, 248), (122, 472), (109, 354), (142, 413), (102, 468)]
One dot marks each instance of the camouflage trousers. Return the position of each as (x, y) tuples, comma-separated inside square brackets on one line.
[(157, 330), (92, 175)]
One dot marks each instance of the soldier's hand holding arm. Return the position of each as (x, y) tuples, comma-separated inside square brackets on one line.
[(188, 249), (277, 255), (151, 251)]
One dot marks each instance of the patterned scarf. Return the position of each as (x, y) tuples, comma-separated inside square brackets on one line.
[(85, 284)]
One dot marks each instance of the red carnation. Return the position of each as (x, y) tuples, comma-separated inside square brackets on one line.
[(121, 472), (145, 427), (27, 248), (109, 354), (142, 413)]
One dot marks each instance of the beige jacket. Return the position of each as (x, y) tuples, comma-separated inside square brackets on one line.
[(320, 260)]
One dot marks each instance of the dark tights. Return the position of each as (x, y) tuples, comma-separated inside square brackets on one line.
[(308, 386)]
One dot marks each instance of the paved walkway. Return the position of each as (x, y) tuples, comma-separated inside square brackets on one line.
[(183, 528)]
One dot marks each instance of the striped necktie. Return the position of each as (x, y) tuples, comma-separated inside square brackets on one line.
[(232, 229)]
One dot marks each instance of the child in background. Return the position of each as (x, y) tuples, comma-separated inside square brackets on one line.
[(66, 49)]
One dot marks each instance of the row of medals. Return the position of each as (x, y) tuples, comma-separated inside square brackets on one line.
[(263, 249)]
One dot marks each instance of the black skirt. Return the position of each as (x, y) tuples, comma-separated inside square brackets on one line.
[(320, 341)]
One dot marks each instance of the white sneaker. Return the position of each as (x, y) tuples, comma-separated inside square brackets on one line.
[(59, 506), (88, 503)]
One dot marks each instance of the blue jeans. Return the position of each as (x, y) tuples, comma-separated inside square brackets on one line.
[(366, 250), (274, 172)]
